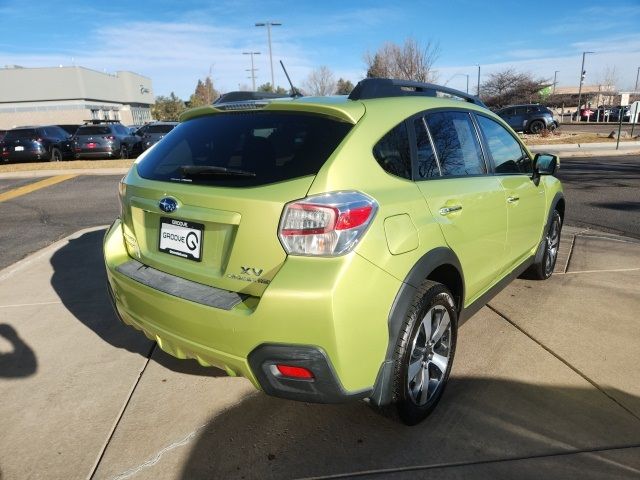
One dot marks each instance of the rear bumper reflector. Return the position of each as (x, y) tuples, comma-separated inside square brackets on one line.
[(180, 287)]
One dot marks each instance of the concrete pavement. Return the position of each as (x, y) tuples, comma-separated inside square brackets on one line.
[(545, 384), (589, 149)]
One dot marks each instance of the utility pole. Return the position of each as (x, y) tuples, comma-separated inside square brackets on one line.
[(270, 24), (582, 74), (555, 77), (637, 75), (478, 80), (252, 69)]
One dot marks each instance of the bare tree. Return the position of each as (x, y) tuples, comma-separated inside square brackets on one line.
[(410, 61), (320, 82), (508, 87)]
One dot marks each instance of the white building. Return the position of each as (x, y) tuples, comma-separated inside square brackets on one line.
[(72, 95)]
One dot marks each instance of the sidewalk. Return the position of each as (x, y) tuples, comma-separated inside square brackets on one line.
[(588, 149), (545, 385)]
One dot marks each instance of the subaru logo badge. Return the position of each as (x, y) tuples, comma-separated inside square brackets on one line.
[(168, 205)]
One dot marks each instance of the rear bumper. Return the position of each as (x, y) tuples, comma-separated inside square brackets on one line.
[(95, 153), (27, 156), (328, 315)]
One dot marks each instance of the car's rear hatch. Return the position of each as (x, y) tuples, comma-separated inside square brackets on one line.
[(92, 137), (224, 229)]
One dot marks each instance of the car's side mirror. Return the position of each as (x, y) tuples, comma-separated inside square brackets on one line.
[(544, 164)]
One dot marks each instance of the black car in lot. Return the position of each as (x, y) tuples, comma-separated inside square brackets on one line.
[(105, 140), (530, 118), (32, 144), (153, 132)]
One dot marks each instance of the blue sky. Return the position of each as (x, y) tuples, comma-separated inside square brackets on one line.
[(175, 43)]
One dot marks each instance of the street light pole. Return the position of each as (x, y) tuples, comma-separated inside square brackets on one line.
[(581, 80), (555, 77), (253, 69), (478, 80), (637, 75), (269, 24)]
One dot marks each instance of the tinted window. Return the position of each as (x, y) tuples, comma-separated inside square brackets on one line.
[(93, 130), (521, 110), (392, 152), (120, 129), (456, 143), (159, 128), (22, 134), (427, 164), (298, 145), (507, 153)]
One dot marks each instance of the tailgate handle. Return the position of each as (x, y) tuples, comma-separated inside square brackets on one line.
[(451, 209)]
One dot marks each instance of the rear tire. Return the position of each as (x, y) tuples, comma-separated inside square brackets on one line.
[(56, 155), (123, 152), (424, 353), (544, 269)]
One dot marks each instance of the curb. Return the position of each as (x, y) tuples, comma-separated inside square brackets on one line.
[(16, 267), (66, 171)]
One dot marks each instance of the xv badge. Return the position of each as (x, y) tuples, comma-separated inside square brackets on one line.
[(250, 270)]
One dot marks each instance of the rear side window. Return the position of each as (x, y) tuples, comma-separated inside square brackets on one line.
[(427, 163), (392, 152), (93, 130), (456, 143), (275, 146), (507, 153)]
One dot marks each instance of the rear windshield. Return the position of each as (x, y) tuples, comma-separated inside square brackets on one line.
[(275, 146), (21, 133), (93, 131), (160, 128)]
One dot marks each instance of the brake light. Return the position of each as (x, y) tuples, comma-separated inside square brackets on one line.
[(326, 225), (295, 372)]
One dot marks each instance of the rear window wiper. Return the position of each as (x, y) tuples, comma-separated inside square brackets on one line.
[(204, 170)]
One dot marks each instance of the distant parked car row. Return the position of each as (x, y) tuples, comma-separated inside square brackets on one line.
[(605, 113), (93, 140)]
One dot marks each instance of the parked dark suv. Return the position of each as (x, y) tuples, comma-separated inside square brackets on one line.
[(153, 132), (31, 144), (531, 118), (105, 140)]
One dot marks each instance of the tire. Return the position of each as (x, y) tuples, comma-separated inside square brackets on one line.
[(544, 269), (552, 127), (420, 352), (123, 152), (56, 155), (536, 126)]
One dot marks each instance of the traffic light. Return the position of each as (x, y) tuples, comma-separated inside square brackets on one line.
[(584, 73)]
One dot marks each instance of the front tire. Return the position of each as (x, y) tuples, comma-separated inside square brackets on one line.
[(536, 126), (424, 353), (544, 268)]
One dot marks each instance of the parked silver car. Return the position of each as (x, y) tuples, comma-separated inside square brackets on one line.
[(153, 132)]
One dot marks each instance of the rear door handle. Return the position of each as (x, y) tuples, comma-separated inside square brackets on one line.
[(451, 209), (513, 199)]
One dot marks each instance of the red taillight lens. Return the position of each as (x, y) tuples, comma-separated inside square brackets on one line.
[(295, 372), (326, 225)]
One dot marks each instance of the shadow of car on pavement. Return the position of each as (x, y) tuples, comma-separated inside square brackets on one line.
[(79, 278)]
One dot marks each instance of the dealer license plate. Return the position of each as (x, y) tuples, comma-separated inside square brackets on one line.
[(181, 238)]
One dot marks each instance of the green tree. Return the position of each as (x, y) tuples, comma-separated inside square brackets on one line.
[(267, 87), (167, 108), (204, 94), (344, 87)]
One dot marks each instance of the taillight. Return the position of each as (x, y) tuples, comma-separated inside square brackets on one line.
[(326, 225), (109, 137)]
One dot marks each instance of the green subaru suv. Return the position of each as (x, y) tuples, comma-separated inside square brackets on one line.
[(328, 249)]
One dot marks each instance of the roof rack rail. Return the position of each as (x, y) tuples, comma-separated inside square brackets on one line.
[(98, 121), (388, 87)]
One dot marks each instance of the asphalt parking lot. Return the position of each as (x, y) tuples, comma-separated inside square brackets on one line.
[(545, 381)]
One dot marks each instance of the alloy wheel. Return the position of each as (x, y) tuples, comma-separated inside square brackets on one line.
[(430, 355)]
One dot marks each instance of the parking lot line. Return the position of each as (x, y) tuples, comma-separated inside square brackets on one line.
[(32, 187)]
